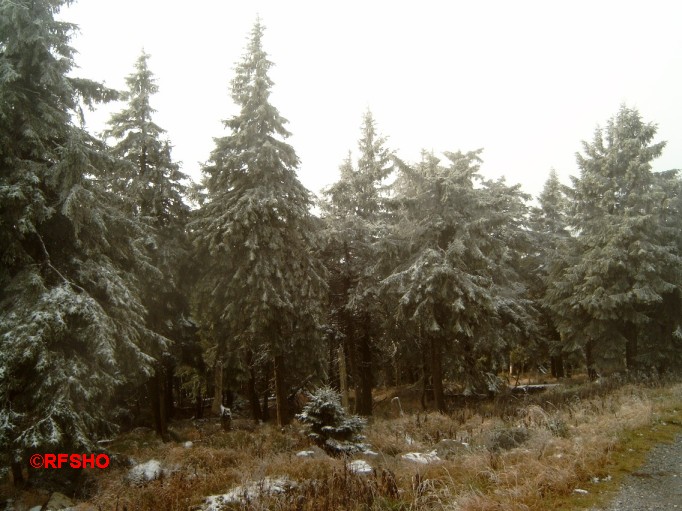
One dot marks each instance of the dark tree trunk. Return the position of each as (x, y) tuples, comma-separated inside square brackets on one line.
[(17, 474), (343, 378), (390, 372), (157, 395), (427, 389), (363, 387), (218, 388), (168, 392), (631, 348), (334, 378), (557, 363), (266, 406), (589, 360), (199, 405), (437, 374), (280, 391), (251, 388), (265, 412)]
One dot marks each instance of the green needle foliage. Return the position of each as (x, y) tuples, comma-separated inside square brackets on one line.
[(328, 424), (456, 286), (622, 275), (152, 186), (264, 284), (355, 215), (72, 322)]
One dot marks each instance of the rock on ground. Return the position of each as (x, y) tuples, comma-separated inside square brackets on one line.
[(58, 501)]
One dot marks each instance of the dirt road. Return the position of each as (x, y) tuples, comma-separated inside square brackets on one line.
[(657, 486)]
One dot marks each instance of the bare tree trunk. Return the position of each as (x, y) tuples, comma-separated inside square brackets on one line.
[(558, 366), (631, 348), (437, 374), (168, 392), (343, 378), (265, 412), (363, 387), (426, 372), (163, 410), (157, 396), (280, 391), (218, 388), (199, 405), (17, 474), (333, 378), (251, 388), (589, 361)]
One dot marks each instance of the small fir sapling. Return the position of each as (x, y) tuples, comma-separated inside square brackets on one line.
[(328, 424)]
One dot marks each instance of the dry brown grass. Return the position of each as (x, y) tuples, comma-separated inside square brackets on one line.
[(572, 438)]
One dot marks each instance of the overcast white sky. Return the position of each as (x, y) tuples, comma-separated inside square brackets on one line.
[(526, 81)]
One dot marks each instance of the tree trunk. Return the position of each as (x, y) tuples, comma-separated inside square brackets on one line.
[(343, 378), (218, 389), (280, 391), (333, 375), (17, 474), (426, 378), (363, 387), (168, 392), (631, 348), (251, 388), (557, 362), (199, 405), (265, 412), (589, 361), (157, 395), (437, 374)]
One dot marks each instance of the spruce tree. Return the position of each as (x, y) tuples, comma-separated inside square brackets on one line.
[(551, 237), (150, 180), (355, 214), (456, 285), (264, 283), (623, 268), (152, 186), (72, 323)]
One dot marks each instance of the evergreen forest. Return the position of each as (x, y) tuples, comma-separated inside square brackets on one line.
[(131, 296)]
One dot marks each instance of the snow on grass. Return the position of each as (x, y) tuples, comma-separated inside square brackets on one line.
[(360, 467), (423, 458), (144, 472), (249, 492)]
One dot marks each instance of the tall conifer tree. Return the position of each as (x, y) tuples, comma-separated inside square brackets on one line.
[(263, 287), (623, 268), (456, 285), (72, 324), (550, 230), (355, 212), (152, 186)]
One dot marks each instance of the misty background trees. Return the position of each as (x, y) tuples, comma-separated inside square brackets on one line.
[(120, 304)]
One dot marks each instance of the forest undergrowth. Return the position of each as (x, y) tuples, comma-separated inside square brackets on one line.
[(567, 448)]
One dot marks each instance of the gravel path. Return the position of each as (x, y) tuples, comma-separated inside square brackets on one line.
[(657, 486)]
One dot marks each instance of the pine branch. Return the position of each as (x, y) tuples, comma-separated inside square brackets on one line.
[(48, 262)]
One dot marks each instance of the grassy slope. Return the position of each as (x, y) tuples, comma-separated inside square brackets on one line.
[(574, 436)]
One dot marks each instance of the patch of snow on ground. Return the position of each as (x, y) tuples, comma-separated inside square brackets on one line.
[(248, 492), (305, 454), (360, 467), (145, 472), (423, 458)]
